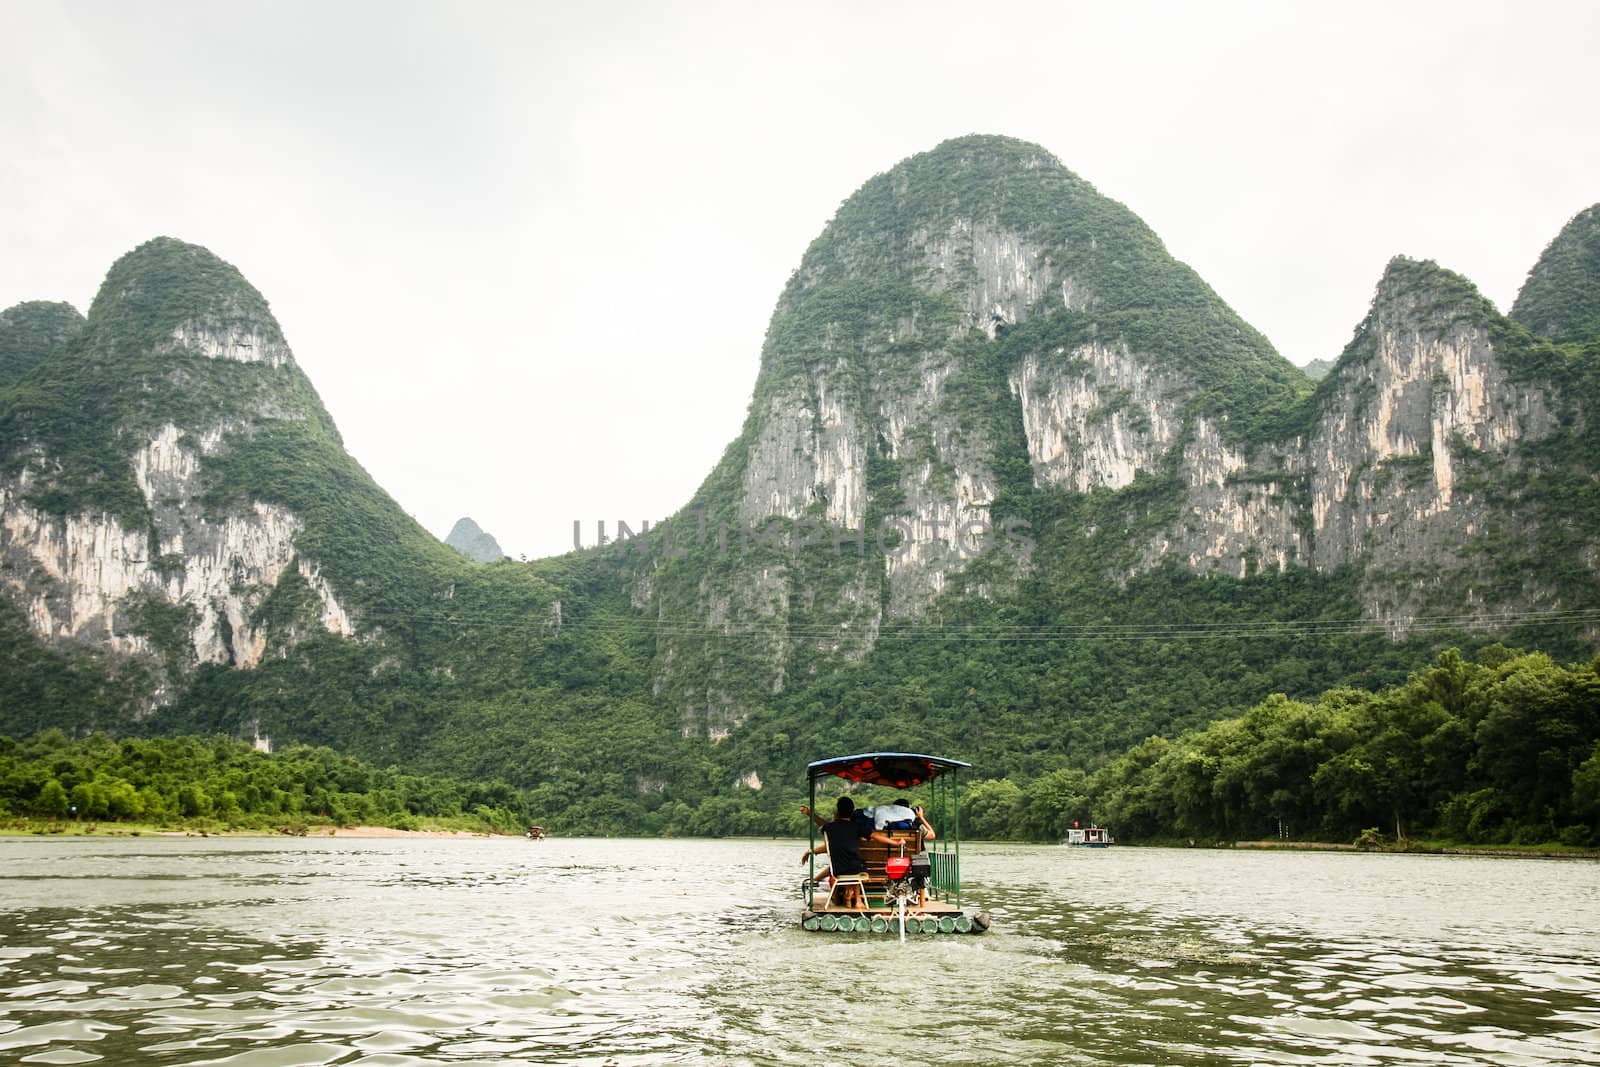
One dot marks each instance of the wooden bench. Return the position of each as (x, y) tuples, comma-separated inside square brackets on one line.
[(876, 853)]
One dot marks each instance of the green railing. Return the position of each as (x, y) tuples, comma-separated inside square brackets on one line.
[(946, 870), (944, 851)]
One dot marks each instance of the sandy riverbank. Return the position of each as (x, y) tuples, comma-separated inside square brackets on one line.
[(327, 831)]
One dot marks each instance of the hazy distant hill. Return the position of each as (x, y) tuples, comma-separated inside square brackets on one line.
[(1318, 369), (467, 538)]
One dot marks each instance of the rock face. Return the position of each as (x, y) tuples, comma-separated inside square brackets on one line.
[(110, 533), (1098, 418), (1418, 392), (467, 538), (1376, 481)]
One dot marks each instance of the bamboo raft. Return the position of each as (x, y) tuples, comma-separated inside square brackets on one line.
[(922, 876)]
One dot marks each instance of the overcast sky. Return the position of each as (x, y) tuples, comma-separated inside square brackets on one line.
[(527, 252)]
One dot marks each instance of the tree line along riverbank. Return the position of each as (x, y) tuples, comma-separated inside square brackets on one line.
[(1500, 750), (52, 784)]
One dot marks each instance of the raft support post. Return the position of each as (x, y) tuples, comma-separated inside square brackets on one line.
[(811, 838), (955, 828)]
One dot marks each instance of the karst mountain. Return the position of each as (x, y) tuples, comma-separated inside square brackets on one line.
[(1014, 484)]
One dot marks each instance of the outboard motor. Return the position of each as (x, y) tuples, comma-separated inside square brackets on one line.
[(908, 878), (921, 871)]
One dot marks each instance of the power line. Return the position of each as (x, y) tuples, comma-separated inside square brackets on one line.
[(992, 633)]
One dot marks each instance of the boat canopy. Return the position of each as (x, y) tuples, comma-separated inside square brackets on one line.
[(899, 769)]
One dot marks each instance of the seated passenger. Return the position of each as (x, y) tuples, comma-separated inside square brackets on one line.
[(842, 842), (901, 816)]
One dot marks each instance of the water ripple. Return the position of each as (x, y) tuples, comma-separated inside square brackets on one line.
[(275, 954)]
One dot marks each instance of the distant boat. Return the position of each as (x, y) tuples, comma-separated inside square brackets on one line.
[(1089, 837)]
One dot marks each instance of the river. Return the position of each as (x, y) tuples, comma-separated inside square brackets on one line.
[(276, 953)]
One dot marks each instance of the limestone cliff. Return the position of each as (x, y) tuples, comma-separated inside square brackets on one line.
[(109, 537), (1376, 480), (966, 287), (1418, 394)]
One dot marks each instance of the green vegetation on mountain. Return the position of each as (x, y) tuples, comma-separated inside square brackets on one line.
[(78, 690), (1025, 690), (1561, 298)]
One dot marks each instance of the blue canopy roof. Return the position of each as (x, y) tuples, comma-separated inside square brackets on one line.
[(899, 769)]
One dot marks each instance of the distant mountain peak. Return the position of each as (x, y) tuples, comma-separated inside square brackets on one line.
[(1318, 369), (470, 539), (1405, 275)]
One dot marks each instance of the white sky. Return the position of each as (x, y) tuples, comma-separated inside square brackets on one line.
[(527, 252)]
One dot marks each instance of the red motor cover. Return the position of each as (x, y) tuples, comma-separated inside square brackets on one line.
[(896, 867)]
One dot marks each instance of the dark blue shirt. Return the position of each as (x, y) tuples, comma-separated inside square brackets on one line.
[(844, 847)]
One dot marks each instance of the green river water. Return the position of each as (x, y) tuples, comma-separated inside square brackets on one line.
[(275, 953)]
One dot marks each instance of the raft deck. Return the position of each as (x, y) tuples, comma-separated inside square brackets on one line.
[(876, 854)]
